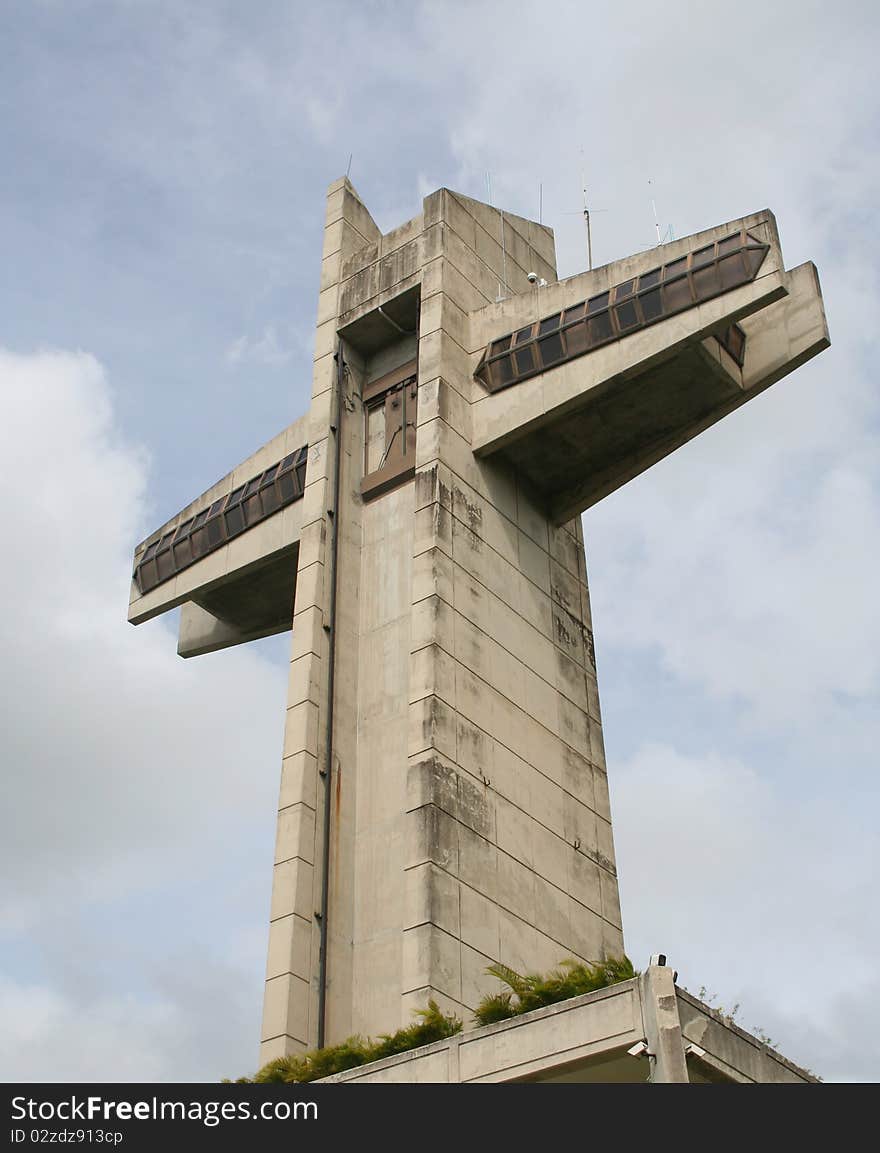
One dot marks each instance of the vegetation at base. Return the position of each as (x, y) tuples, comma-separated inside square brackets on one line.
[(570, 979), (534, 990), (432, 1025)]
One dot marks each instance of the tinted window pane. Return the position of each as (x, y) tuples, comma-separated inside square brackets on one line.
[(216, 532), (731, 271), (729, 244), (548, 324), (288, 461), (647, 279), (199, 542), (676, 295), (252, 509), (576, 339), (148, 575), (182, 553), (200, 519), (501, 345), (551, 349), (754, 258), (706, 282), (234, 520), (269, 498), (733, 339), (651, 307), (235, 496), (150, 551), (524, 361), (703, 256), (269, 475), (523, 335), (502, 372), (600, 328), (626, 315), (252, 486), (623, 290), (676, 268), (575, 312), (286, 483), (164, 565), (597, 303)]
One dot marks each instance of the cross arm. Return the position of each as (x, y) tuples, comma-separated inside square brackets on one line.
[(229, 557), (586, 383)]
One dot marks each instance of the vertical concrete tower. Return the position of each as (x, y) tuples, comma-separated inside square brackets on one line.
[(444, 802), (450, 677)]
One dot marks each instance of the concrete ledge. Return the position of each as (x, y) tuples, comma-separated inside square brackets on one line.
[(586, 1040)]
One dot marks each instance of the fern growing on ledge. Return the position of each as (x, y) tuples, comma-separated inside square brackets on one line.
[(312, 1066), (534, 990)]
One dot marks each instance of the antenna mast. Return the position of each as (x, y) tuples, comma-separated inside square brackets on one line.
[(587, 223), (656, 220)]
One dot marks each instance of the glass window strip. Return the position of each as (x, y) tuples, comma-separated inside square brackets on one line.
[(660, 292), (207, 531)]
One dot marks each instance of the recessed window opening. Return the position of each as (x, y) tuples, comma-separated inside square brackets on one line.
[(390, 421)]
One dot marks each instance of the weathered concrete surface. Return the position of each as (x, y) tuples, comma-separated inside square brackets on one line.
[(731, 1053), (661, 1026), (470, 819), (586, 1041)]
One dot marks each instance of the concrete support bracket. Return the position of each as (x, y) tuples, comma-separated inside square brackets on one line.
[(662, 1026)]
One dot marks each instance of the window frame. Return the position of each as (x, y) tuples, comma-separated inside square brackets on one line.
[(402, 465)]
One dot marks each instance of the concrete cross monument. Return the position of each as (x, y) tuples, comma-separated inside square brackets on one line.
[(444, 801)]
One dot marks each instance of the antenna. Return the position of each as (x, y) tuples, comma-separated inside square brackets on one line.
[(666, 236), (656, 221), (586, 213), (348, 170), (587, 223)]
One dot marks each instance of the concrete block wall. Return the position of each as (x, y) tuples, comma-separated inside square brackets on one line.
[(510, 851), (470, 819)]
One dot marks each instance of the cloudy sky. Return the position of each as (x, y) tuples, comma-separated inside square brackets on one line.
[(162, 191)]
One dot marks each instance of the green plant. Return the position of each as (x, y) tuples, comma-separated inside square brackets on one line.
[(432, 1025), (534, 990)]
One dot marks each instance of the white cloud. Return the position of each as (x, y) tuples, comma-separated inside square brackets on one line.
[(758, 893), (130, 779), (265, 349)]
